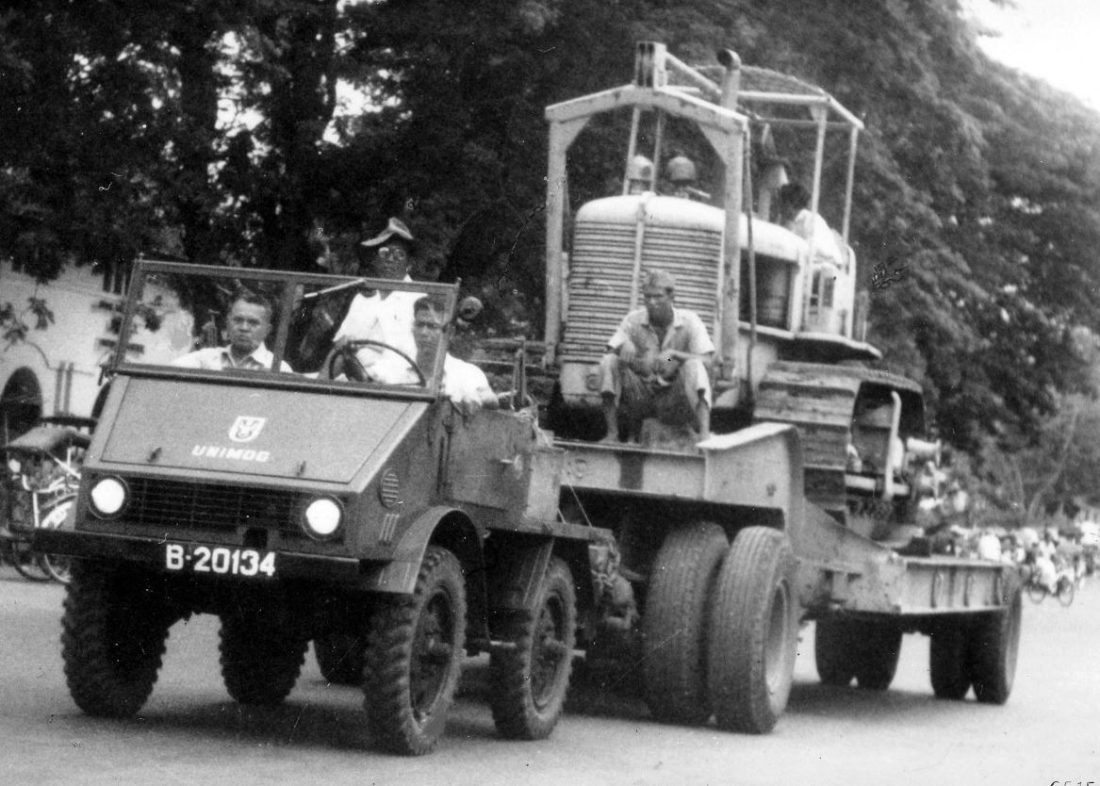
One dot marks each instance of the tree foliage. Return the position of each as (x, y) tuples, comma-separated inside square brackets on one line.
[(212, 131)]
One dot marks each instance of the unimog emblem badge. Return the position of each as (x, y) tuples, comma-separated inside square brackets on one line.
[(245, 428)]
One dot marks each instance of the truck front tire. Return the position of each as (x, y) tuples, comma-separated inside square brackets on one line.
[(260, 664), (113, 636), (414, 657)]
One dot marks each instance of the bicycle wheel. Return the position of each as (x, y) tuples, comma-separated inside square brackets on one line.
[(1067, 588), (1035, 589), (26, 562), (57, 566)]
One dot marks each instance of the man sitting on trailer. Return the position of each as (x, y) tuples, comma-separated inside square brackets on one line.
[(656, 365)]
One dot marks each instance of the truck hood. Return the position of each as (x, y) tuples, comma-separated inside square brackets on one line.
[(246, 430)]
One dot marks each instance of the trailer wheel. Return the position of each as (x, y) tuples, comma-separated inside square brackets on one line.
[(112, 641), (753, 635), (832, 652), (878, 653), (259, 664), (340, 657), (530, 677), (991, 655), (675, 619), (947, 660), (414, 657)]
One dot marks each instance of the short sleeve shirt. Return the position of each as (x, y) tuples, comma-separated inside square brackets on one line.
[(464, 383), (686, 334), (220, 359)]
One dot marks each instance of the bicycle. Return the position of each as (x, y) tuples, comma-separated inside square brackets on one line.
[(1065, 588), (43, 472)]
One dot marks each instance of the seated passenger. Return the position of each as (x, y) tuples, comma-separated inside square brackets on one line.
[(656, 365), (249, 323), (795, 215), (463, 383), (385, 316)]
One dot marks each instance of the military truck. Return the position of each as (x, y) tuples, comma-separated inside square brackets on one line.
[(399, 532)]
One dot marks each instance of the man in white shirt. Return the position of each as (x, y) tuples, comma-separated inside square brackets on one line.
[(795, 215), (463, 383), (385, 316), (249, 324)]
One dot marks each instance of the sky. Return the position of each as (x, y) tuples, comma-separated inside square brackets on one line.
[(1055, 40)]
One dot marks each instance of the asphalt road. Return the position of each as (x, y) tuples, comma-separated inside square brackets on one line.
[(190, 732)]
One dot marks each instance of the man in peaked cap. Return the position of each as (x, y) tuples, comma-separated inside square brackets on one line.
[(656, 365), (385, 316)]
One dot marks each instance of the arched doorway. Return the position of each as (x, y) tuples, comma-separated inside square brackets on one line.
[(20, 404)]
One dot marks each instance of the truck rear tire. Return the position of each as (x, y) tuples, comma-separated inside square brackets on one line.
[(675, 620), (530, 677), (991, 655), (340, 657), (260, 664), (867, 651), (832, 652), (414, 657), (753, 636), (947, 652), (113, 638), (879, 648)]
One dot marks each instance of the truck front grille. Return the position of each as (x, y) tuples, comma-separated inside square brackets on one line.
[(169, 503)]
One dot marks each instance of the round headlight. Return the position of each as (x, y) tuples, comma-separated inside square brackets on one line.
[(108, 496), (322, 517)]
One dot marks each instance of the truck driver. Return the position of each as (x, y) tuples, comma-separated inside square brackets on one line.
[(383, 316)]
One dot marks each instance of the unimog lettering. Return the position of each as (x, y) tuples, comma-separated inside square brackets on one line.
[(236, 454)]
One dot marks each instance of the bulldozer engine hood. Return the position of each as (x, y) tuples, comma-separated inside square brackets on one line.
[(292, 434)]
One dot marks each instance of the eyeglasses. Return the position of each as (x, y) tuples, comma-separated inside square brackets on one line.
[(392, 254)]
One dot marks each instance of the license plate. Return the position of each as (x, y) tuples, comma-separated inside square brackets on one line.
[(219, 560)]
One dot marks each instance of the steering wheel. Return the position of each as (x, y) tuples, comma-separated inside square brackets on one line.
[(353, 369)]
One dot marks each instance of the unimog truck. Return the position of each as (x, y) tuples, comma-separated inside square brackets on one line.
[(399, 532), (396, 530)]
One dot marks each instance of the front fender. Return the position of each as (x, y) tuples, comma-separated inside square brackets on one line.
[(445, 526)]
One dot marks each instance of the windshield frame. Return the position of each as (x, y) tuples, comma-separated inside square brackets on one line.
[(144, 269)]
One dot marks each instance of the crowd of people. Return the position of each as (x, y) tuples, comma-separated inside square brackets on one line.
[(1047, 557)]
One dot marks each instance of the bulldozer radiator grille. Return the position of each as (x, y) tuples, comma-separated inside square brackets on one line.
[(601, 271), (167, 503)]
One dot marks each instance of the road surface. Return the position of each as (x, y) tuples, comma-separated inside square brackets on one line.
[(190, 732)]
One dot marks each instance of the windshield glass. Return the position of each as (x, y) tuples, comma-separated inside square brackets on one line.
[(333, 330)]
